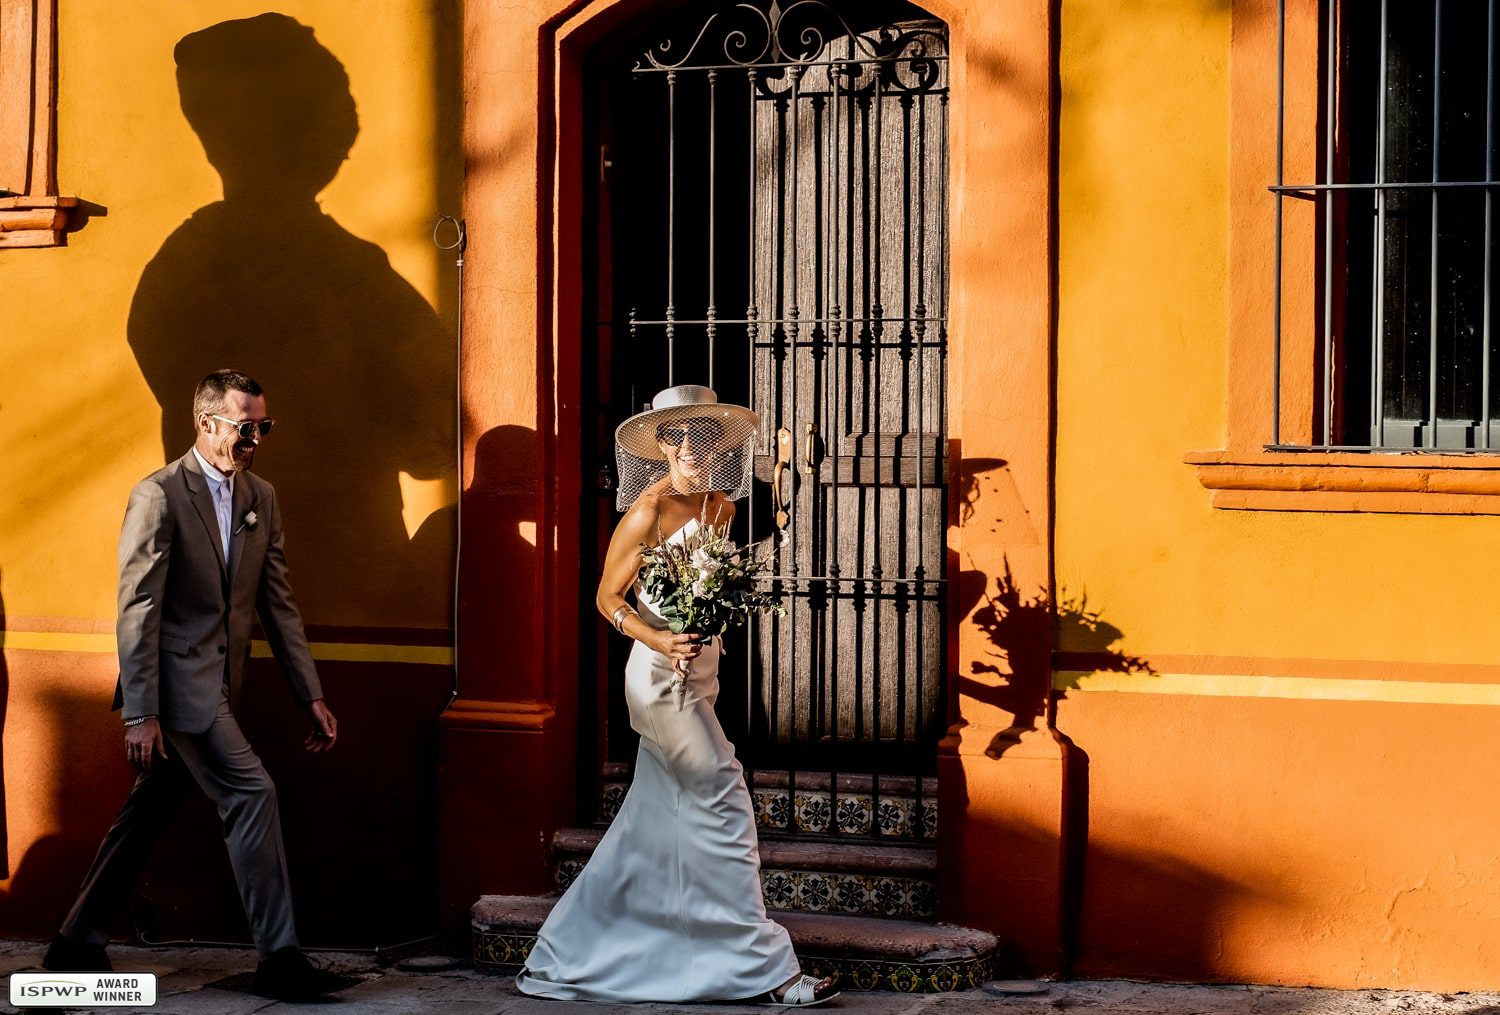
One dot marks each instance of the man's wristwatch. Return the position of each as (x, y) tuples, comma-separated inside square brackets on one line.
[(137, 720)]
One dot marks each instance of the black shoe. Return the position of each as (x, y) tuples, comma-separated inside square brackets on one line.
[(64, 955), (289, 976)]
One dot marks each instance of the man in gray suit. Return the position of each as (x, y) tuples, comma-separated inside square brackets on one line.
[(200, 555)]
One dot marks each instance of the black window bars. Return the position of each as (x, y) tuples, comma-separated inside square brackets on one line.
[(1404, 356)]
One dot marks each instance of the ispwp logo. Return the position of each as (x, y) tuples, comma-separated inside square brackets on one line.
[(80, 990)]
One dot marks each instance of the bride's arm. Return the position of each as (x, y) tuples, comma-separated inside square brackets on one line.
[(623, 559), (621, 564)]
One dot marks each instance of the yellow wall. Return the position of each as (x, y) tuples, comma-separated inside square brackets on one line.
[(366, 296), (78, 425), (1143, 302), (1246, 836)]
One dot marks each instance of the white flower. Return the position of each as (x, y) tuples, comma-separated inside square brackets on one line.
[(700, 589), (707, 566)]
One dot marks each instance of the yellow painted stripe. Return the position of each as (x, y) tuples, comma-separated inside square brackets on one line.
[(1200, 684), (57, 641), (104, 644), (1219, 685), (328, 651)]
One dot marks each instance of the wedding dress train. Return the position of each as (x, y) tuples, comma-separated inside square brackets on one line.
[(669, 907)]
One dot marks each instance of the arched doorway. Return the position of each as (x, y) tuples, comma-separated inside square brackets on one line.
[(769, 216)]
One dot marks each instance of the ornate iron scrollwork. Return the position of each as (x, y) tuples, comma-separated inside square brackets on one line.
[(810, 36)]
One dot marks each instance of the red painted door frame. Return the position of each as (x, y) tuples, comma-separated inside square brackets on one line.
[(509, 744)]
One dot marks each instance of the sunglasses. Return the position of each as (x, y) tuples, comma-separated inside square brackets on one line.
[(247, 427), (694, 431)]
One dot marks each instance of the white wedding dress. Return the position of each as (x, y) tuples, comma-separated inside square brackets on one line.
[(669, 908)]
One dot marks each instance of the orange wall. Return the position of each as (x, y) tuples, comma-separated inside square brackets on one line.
[(1230, 837), (1239, 828), (319, 277)]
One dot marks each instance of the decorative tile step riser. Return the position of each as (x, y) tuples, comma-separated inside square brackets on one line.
[(848, 782), (824, 891), (821, 803), (503, 951), (902, 977), (817, 812), (854, 894)]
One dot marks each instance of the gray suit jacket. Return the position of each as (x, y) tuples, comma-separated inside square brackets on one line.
[(185, 612)]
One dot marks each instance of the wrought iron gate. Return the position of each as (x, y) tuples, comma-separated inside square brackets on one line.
[(778, 196)]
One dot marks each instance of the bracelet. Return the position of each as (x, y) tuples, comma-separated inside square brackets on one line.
[(619, 616), (137, 720)]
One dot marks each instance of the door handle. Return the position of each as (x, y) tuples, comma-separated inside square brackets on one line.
[(783, 460), (807, 451)]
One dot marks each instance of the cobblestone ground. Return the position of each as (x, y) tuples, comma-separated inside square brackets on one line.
[(184, 975)]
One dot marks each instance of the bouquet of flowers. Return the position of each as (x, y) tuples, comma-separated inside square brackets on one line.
[(703, 584)]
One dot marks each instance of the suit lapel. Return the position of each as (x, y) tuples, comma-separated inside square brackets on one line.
[(244, 500), (203, 502)]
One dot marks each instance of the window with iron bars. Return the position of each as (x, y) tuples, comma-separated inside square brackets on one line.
[(1403, 201)]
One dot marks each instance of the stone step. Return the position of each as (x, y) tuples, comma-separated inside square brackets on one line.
[(814, 803), (857, 879), (867, 954)]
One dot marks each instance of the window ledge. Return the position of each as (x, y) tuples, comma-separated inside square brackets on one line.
[(35, 221), (1416, 483)]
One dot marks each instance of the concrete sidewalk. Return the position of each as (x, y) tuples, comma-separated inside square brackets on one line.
[(185, 973)]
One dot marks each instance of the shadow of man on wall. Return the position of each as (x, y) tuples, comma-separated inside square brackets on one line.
[(357, 370), (359, 375)]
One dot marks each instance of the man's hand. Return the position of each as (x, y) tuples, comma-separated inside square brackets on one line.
[(143, 742), (325, 728)]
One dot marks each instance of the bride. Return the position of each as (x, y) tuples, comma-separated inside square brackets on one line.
[(669, 908)]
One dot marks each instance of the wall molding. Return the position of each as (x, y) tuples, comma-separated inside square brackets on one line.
[(1417, 483), (31, 212)]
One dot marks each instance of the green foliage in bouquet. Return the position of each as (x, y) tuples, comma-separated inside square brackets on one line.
[(704, 584)]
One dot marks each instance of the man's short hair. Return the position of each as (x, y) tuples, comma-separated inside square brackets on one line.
[(209, 398)]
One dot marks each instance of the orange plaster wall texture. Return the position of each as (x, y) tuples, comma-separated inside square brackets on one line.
[(1000, 794), (1239, 836)]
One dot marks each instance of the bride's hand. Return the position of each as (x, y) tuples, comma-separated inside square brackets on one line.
[(677, 647)]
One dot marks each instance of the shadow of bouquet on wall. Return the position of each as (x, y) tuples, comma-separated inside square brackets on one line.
[(1082, 628), (1014, 673), (1012, 668)]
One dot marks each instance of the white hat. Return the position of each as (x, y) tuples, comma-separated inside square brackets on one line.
[(720, 437), (638, 434)]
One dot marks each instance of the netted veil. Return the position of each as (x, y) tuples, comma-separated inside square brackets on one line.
[(712, 444)]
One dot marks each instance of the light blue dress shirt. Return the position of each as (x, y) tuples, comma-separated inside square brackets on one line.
[(222, 489)]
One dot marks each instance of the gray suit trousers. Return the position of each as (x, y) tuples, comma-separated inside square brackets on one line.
[(222, 763)]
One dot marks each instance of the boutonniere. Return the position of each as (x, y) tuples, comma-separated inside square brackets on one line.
[(250, 521)]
